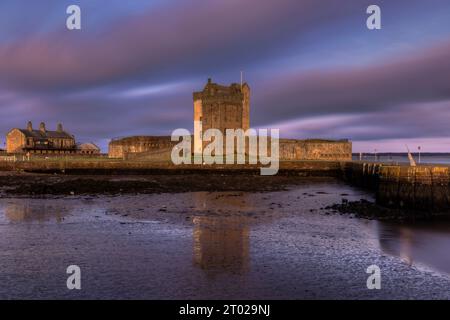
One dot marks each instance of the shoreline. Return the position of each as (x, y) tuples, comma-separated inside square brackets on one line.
[(365, 209), (47, 186), (281, 245)]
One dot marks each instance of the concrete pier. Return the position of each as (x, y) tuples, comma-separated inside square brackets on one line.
[(422, 188)]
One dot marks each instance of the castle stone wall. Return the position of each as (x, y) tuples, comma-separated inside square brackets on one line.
[(222, 107), (119, 148), (160, 148), (313, 149)]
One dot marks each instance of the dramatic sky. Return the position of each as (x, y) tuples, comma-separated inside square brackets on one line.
[(314, 68)]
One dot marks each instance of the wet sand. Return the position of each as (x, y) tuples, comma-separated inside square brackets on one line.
[(209, 245), (35, 185)]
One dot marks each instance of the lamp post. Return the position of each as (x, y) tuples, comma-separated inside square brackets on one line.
[(419, 148)]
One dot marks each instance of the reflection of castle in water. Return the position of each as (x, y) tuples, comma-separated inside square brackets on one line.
[(27, 212), (221, 242)]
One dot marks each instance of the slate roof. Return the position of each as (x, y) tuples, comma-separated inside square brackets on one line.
[(87, 146), (37, 134)]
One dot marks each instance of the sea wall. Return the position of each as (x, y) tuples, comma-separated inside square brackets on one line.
[(421, 188), (110, 166)]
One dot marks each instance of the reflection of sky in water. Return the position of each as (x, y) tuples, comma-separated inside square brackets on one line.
[(425, 243)]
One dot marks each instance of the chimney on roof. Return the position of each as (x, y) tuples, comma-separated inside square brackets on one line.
[(29, 126), (59, 128), (42, 127)]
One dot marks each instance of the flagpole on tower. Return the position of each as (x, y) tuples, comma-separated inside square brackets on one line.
[(242, 76)]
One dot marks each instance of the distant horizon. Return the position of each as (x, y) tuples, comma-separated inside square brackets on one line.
[(364, 147), (104, 145), (400, 152)]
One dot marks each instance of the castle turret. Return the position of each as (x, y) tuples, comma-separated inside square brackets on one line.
[(59, 128), (42, 127), (220, 107), (29, 126)]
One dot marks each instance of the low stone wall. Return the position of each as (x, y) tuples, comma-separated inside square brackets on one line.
[(119, 148), (424, 188), (163, 154), (158, 147), (108, 166), (315, 149)]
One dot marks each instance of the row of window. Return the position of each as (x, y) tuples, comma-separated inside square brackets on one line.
[(57, 143), (155, 145), (52, 151)]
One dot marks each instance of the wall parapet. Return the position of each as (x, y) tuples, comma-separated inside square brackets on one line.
[(423, 188)]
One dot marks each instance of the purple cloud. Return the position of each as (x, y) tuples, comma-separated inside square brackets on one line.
[(422, 76), (191, 37)]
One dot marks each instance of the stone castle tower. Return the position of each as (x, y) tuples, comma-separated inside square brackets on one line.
[(221, 107)]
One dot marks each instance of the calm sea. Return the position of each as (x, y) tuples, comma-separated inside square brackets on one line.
[(442, 158)]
